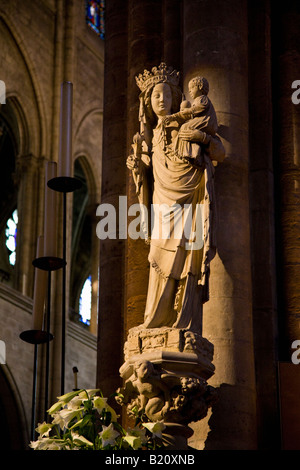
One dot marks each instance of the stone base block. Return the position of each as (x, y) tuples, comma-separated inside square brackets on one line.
[(165, 375), (175, 436), (177, 350)]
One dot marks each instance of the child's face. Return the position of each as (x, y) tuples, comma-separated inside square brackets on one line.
[(194, 89)]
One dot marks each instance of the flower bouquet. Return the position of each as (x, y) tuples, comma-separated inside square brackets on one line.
[(83, 420)]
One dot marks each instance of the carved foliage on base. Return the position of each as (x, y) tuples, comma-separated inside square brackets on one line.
[(163, 395)]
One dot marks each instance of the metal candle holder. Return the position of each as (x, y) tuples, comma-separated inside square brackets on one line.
[(64, 185), (37, 337)]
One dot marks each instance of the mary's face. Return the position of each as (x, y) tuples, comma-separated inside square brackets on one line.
[(161, 99)]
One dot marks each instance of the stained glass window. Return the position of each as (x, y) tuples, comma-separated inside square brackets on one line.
[(85, 301), (95, 16), (11, 236)]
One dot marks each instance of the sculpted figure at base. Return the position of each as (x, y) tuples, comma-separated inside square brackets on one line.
[(146, 391), (164, 396), (172, 168)]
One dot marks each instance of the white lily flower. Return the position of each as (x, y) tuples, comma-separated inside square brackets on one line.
[(89, 393), (155, 428), (67, 396), (57, 419), (80, 440), (34, 444), (138, 432), (108, 435), (101, 404), (56, 407), (44, 428), (75, 403), (42, 443), (63, 417), (134, 441), (55, 446), (136, 437)]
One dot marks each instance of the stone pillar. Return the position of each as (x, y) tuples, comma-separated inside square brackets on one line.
[(287, 193), (287, 141), (216, 46), (94, 269), (178, 359), (27, 174), (171, 27), (261, 155), (112, 252), (144, 51)]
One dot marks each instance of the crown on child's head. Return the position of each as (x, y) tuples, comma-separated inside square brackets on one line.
[(160, 74)]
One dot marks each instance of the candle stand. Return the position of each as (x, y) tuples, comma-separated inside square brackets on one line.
[(64, 185), (47, 260), (37, 337)]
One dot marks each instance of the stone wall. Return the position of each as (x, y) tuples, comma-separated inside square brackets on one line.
[(43, 44)]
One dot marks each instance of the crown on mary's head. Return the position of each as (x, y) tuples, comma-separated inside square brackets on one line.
[(160, 74)]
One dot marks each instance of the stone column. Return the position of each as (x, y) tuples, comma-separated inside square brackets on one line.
[(287, 196), (261, 155), (287, 140), (27, 174), (215, 46), (94, 268), (180, 360), (171, 33), (112, 251), (144, 51)]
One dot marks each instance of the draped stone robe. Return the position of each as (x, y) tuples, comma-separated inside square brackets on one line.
[(182, 238)]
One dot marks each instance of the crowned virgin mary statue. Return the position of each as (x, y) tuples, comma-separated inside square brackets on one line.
[(178, 192)]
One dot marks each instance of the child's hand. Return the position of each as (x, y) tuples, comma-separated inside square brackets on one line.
[(193, 135), (166, 120)]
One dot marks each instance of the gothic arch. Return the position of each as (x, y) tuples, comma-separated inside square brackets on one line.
[(88, 147), (23, 97), (12, 136), (26, 91), (84, 240), (85, 163), (13, 430), (21, 123)]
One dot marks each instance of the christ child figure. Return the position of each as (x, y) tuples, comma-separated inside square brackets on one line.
[(196, 115)]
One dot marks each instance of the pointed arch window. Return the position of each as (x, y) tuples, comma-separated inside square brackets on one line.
[(84, 254), (85, 301), (11, 237), (95, 16)]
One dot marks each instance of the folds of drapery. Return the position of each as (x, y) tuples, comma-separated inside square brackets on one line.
[(181, 215)]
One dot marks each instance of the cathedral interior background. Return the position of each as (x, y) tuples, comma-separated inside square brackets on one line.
[(250, 52)]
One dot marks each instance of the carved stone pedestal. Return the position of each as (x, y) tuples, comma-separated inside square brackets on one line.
[(165, 374), (175, 436)]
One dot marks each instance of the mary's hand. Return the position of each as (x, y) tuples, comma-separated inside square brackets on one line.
[(193, 135), (132, 162)]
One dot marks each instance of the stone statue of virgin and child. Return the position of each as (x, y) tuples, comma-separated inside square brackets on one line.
[(173, 168)]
